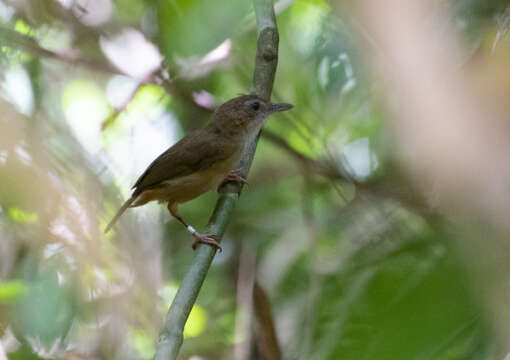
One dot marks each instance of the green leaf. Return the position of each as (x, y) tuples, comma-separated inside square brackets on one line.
[(22, 216), (12, 291), (197, 322)]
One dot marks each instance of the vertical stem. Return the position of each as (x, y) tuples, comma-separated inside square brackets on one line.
[(171, 335), (245, 281)]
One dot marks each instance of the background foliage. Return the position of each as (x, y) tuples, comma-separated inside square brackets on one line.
[(356, 260)]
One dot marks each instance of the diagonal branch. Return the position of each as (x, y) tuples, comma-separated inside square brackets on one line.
[(171, 335), (25, 43)]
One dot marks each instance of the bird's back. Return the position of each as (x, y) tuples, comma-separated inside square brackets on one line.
[(194, 165)]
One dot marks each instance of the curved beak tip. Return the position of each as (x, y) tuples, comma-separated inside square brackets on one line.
[(277, 107)]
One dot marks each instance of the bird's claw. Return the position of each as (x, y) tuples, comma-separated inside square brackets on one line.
[(234, 176), (208, 239)]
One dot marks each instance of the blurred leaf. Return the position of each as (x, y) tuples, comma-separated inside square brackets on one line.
[(295, 282), (24, 353), (414, 304), (226, 324), (22, 216), (306, 17), (47, 310), (12, 291), (143, 343), (205, 24), (82, 91), (197, 322), (23, 28), (167, 292)]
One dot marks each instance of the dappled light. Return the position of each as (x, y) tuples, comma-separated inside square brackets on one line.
[(372, 221)]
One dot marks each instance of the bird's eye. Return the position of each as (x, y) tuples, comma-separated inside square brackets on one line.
[(253, 105)]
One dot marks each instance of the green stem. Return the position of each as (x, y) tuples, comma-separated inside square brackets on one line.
[(171, 335)]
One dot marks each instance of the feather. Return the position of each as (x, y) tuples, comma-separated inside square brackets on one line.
[(119, 213)]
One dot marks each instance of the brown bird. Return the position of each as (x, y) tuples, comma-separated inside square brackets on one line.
[(203, 160)]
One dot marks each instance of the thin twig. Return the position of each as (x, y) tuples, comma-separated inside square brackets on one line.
[(28, 44), (171, 336)]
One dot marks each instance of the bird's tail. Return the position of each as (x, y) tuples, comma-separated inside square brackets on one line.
[(119, 213)]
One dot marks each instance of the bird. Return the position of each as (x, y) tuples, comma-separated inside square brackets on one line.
[(203, 160)]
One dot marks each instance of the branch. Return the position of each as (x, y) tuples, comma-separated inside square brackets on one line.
[(30, 45), (171, 335), (25, 43), (321, 167)]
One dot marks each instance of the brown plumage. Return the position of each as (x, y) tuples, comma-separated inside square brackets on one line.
[(203, 159)]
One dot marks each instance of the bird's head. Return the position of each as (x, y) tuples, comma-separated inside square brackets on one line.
[(245, 114)]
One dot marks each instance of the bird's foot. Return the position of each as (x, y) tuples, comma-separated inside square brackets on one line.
[(235, 176), (208, 239)]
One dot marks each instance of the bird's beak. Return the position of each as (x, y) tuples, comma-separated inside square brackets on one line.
[(277, 107)]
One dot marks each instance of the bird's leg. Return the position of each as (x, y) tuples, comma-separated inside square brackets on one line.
[(199, 238), (233, 175)]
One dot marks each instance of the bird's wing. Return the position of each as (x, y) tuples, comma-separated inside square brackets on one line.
[(195, 152)]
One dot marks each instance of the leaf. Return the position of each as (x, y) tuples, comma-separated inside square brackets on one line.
[(12, 291), (22, 216)]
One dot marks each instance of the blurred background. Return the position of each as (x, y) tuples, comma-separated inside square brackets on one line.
[(375, 224)]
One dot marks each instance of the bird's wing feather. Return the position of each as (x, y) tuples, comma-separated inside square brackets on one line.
[(195, 152)]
